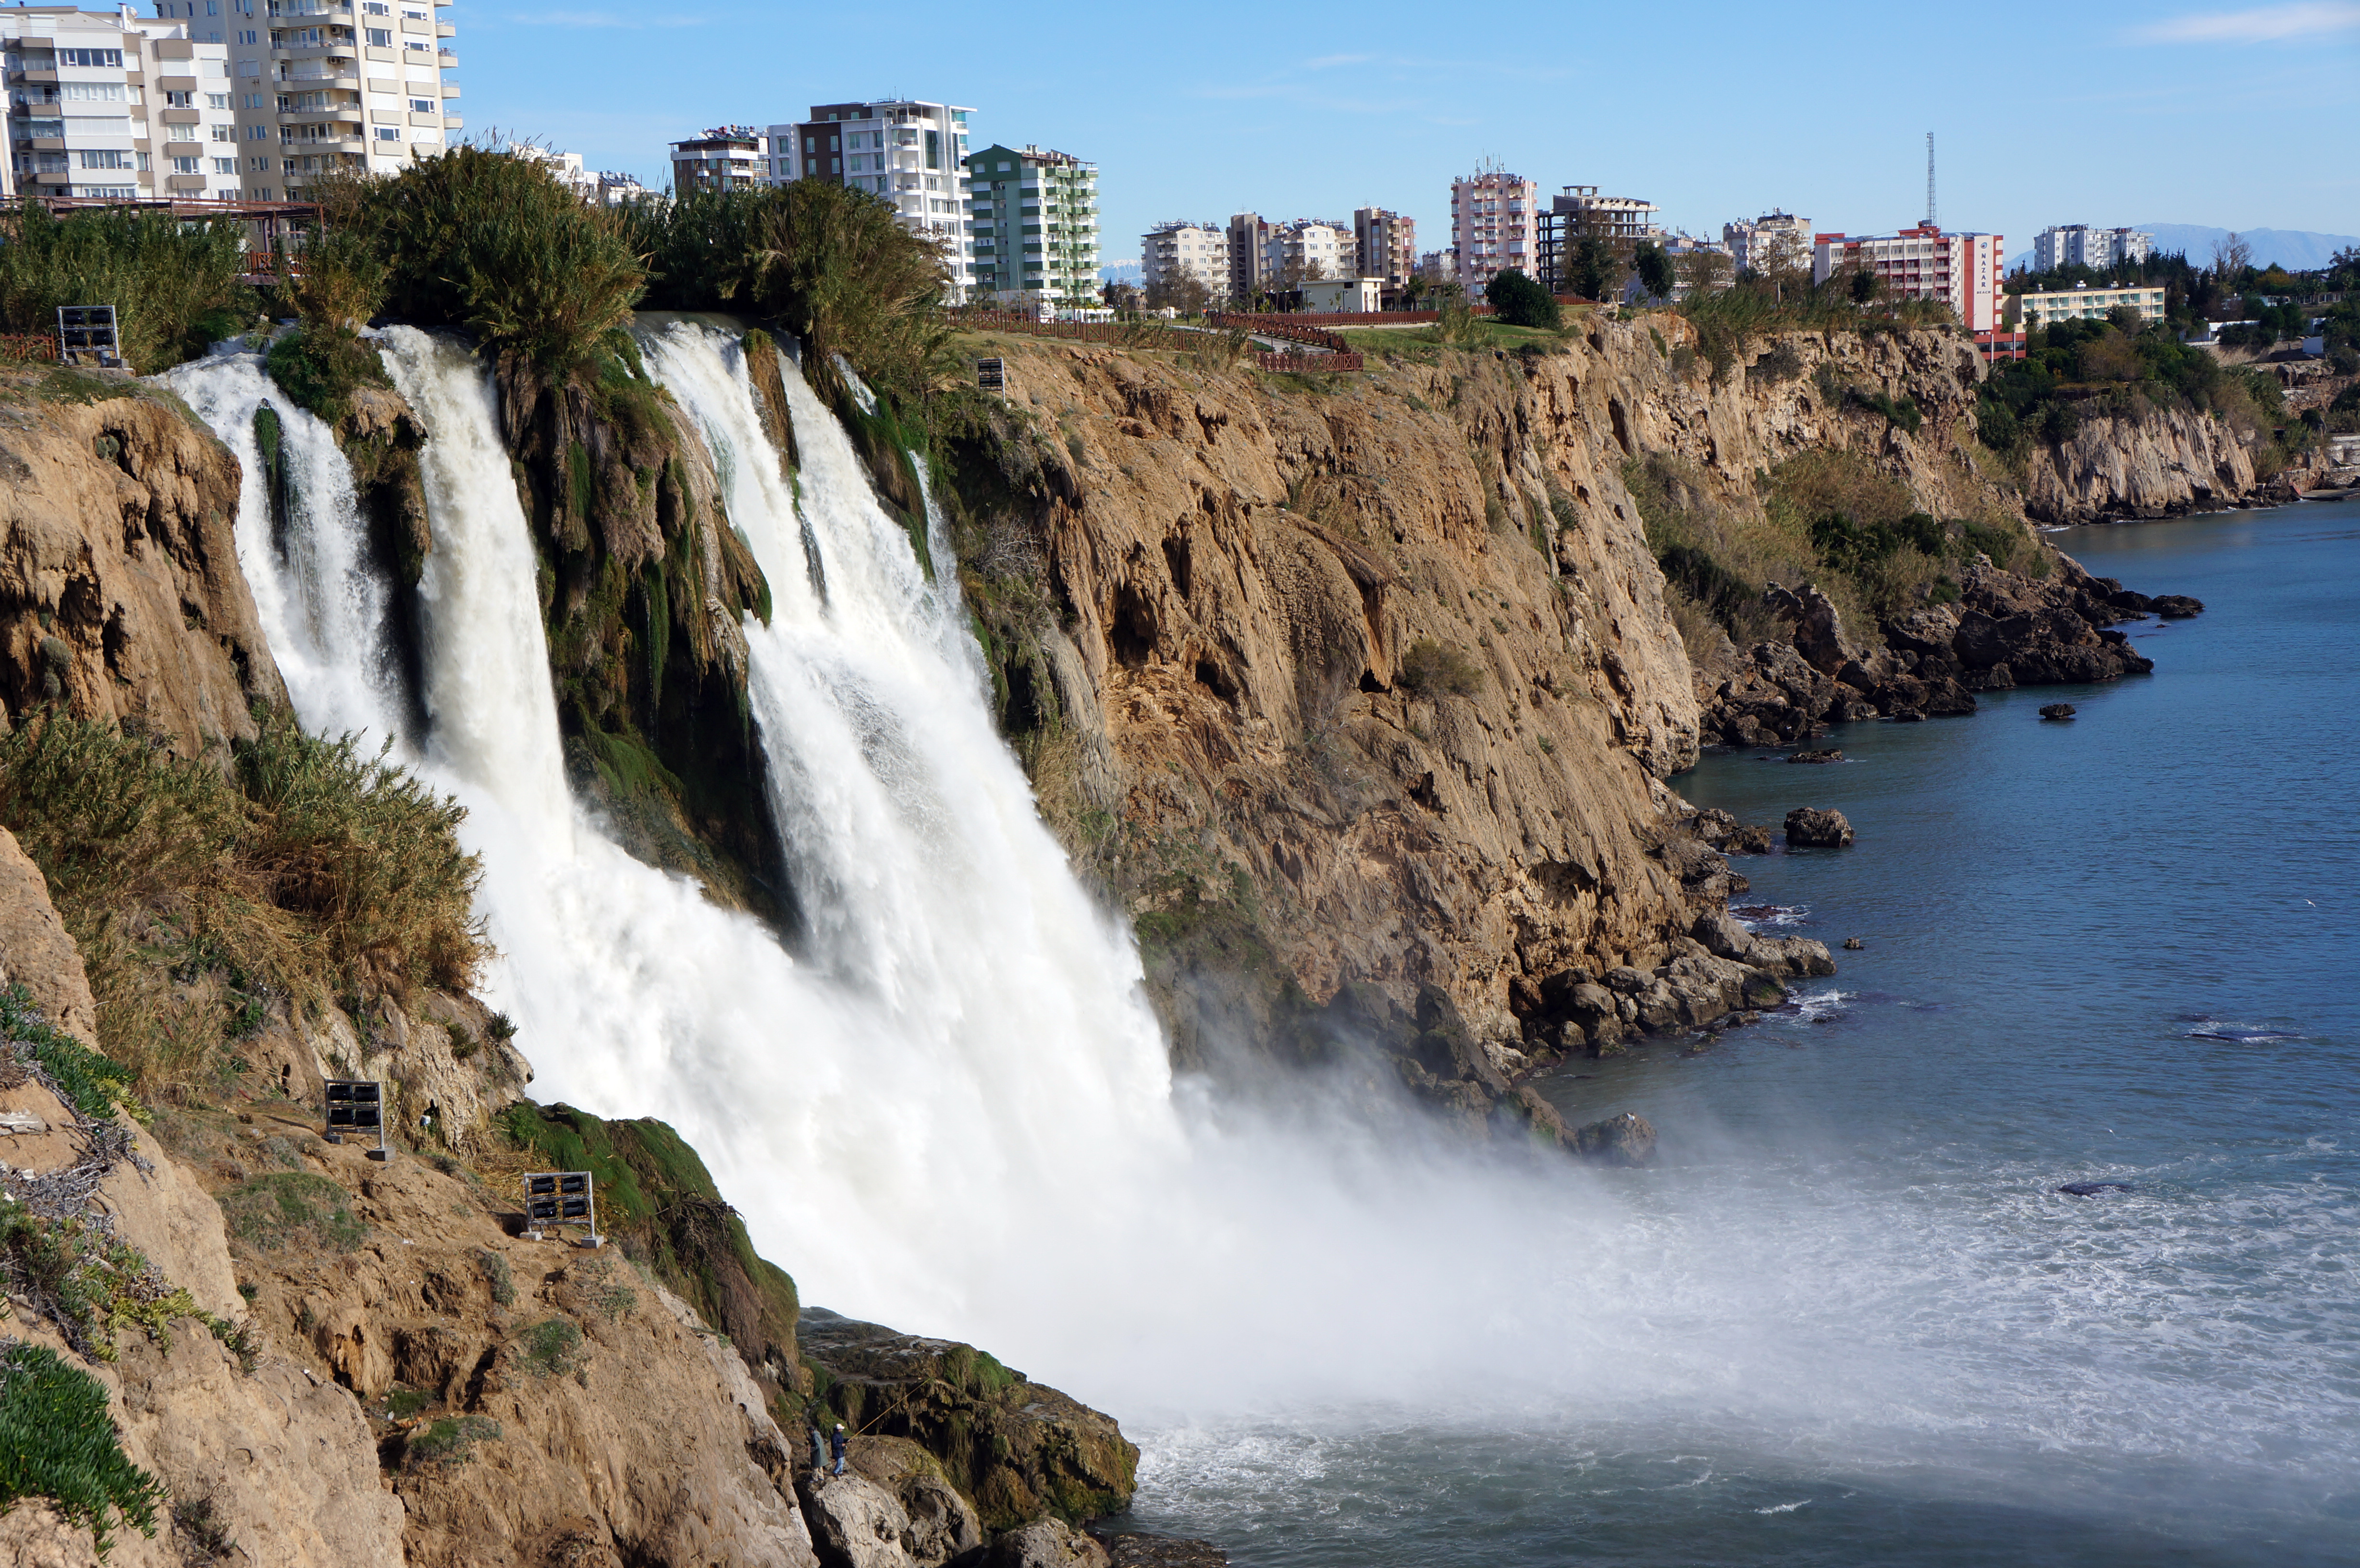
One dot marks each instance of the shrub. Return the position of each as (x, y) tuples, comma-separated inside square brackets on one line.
[(1430, 670), (497, 1274), (307, 867), (450, 1441), (491, 242), (173, 282), (1518, 301), (89, 1082), (1654, 266), (552, 1348), (58, 1442)]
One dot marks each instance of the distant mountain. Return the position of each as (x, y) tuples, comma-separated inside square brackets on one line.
[(2297, 250), (1121, 272)]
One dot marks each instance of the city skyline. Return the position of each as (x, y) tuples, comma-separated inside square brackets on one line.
[(1754, 112)]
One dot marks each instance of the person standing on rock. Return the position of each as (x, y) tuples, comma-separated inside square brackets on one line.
[(819, 1452), (835, 1445)]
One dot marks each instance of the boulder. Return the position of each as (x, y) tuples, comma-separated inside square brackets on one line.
[(942, 1523), (2177, 606), (1629, 982), (1817, 757), (1046, 1543), (1626, 1139), (1808, 827), (1854, 944), (1139, 1549), (855, 1522), (2056, 711)]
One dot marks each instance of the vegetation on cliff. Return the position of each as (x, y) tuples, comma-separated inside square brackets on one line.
[(307, 870), (173, 282), (57, 1441)]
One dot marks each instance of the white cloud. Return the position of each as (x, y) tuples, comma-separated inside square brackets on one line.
[(2267, 24), (1324, 60)]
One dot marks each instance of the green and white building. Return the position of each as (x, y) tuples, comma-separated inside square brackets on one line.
[(1033, 216), (2027, 311)]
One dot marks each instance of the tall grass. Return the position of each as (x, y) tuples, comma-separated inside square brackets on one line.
[(172, 281), (492, 243), (309, 870)]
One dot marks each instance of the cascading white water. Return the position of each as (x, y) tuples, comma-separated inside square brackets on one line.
[(952, 1111)]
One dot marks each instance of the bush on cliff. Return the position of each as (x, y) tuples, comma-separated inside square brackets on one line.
[(305, 868), (173, 282), (1430, 670), (58, 1442), (1519, 301), (1727, 319), (832, 265), (2079, 368), (492, 243)]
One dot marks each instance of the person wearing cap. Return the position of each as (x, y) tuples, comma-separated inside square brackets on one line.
[(835, 1445)]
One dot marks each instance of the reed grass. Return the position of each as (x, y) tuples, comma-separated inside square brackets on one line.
[(173, 282)]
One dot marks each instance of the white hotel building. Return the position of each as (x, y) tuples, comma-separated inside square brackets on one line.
[(105, 106)]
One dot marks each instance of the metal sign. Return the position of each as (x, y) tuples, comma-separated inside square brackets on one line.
[(990, 375), (87, 332), (554, 1198), (356, 1105)]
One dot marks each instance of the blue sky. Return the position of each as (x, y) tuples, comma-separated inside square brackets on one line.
[(2231, 114)]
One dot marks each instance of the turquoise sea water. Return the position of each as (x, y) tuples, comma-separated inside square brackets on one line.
[(1847, 1318)]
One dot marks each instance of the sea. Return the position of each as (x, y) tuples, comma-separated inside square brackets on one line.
[(1848, 1316)]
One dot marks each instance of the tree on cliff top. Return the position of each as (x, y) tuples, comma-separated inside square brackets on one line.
[(1518, 301), (1653, 262)]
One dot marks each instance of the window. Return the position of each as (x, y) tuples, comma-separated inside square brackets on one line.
[(101, 59), (180, 100), (258, 165), (224, 166), (212, 7), (422, 105), (224, 132), (216, 100), (376, 8), (105, 160), (186, 165), (91, 93), (182, 134), (380, 37), (249, 36), (419, 45), (389, 133), (256, 133)]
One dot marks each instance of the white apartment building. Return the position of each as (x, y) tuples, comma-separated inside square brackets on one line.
[(1307, 248), (1384, 244), (2079, 245), (1035, 227), (1171, 251), (1924, 263), (1495, 225), (604, 188), (909, 152), (105, 106), (1775, 241), (2039, 309), (323, 86)]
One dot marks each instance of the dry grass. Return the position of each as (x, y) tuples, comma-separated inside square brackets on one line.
[(307, 872)]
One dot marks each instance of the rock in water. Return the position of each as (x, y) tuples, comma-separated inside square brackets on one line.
[(1808, 827), (1854, 944), (1144, 1551), (2177, 607), (1046, 1543), (2091, 1189), (2056, 711), (1626, 1139), (1817, 757)]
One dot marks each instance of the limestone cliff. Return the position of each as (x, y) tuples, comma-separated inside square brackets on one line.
[(120, 594), (2154, 463), (1355, 686)]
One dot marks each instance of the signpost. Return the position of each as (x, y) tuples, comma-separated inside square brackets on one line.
[(991, 374), (554, 1198), (357, 1104)]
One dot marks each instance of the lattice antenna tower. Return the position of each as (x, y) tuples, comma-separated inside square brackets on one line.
[(1929, 179)]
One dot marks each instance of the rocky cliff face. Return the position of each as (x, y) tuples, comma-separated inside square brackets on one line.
[(1364, 686), (120, 595), (2154, 463)]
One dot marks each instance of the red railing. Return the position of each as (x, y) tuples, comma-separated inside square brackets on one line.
[(27, 348)]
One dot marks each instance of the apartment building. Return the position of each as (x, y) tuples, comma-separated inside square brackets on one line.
[(1303, 249), (1578, 212), (599, 189), (909, 153), (106, 106), (1171, 251), (1438, 267), (1034, 227), (1923, 263), (1384, 245), (1495, 225), (1249, 251), (1777, 241), (2079, 245), (327, 86), (2041, 308), (725, 158)]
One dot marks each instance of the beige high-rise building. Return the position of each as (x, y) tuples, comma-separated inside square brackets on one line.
[(1495, 225), (330, 86), (1384, 245), (1171, 251), (106, 106)]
